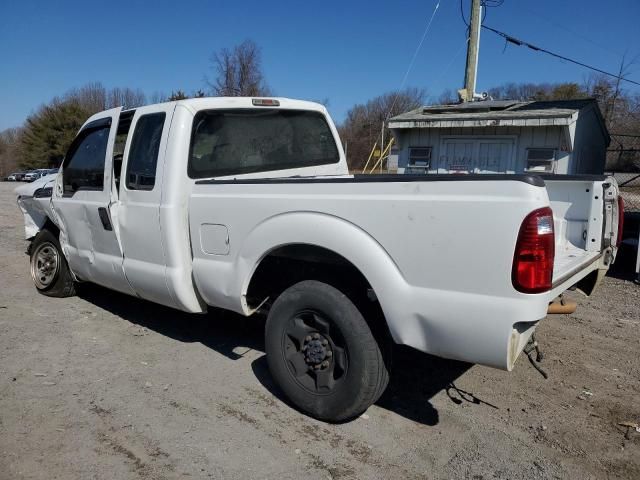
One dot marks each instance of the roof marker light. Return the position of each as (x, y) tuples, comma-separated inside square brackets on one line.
[(265, 102)]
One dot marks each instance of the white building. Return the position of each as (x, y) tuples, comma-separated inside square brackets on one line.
[(559, 136)]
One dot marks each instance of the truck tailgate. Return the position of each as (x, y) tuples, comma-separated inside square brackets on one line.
[(585, 217)]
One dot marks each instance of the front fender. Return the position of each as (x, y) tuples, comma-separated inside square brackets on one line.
[(36, 210)]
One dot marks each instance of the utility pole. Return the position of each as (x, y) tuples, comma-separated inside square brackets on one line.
[(382, 146), (467, 94)]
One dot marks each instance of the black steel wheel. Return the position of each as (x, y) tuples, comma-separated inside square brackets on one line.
[(321, 352), (314, 354)]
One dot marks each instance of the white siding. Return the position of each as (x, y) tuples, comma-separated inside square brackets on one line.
[(586, 156), (590, 144)]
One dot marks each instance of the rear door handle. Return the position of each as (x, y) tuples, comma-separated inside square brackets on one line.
[(104, 218)]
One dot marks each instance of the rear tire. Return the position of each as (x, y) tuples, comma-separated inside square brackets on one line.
[(322, 353), (49, 270)]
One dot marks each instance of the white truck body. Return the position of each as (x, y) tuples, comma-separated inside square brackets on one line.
[(436, 251)]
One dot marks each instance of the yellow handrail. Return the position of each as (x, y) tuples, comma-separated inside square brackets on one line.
[(386, 150), (370, 155)]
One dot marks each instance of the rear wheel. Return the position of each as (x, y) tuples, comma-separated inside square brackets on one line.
[(322, 353), (49, 269)]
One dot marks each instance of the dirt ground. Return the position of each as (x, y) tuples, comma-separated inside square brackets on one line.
[(105, 386)]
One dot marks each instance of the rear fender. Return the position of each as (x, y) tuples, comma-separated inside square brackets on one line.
[(329, 232)]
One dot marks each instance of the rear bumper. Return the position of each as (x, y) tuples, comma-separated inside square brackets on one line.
[(483, 329), (473, 328)]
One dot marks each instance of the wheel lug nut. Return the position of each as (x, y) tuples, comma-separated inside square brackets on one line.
[(307, 338), (325, 342), (325, 364), (316, 336), (329, 354)]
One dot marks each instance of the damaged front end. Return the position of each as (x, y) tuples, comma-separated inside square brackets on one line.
[(34, 200)]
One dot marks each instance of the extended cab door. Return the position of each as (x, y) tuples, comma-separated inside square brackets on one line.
[(138, 210), (82, 200)]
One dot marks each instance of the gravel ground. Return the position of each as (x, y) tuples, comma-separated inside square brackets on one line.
[(106, 386)]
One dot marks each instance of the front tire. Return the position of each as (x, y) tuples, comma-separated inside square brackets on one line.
[(322, 353), (49, 270)]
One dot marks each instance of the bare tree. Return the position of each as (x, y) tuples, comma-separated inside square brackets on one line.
[(125, 97), (9, 143), (92, 97), (177, 95), (238, 72), (158, 97), (364, 123), (448, 97)]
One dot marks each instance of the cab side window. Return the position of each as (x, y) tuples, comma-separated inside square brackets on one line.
[(143, 154), (83, 168)]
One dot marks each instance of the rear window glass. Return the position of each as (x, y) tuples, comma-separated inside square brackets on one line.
[(232, 142)]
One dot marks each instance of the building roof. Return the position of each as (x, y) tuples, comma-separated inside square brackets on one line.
[(495, 113)]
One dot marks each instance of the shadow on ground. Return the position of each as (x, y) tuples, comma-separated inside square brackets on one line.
[(625, 265), (415, 379)]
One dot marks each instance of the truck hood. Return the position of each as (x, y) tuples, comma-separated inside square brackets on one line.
[(28, 189)]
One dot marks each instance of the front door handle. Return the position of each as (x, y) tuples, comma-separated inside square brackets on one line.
[(104, 218)]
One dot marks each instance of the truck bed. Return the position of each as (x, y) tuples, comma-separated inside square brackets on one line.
[(437, 249)]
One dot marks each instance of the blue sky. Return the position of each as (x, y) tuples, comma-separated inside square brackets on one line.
[(346, 52)]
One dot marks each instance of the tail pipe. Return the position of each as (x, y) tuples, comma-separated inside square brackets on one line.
[(562, 306)]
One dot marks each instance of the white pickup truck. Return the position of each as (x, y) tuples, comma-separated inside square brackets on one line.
[(247, 205)]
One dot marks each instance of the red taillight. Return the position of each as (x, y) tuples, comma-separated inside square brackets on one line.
[(620, 221), (533, 259)]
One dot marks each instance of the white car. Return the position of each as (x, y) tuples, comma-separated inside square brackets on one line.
[(247, 205), (31, 176)]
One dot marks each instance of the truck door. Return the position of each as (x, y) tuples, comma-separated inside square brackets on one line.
[(140, 199), (82, 202)]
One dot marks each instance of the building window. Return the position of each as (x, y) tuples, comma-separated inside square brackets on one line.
[(419, 160), (541, 160)]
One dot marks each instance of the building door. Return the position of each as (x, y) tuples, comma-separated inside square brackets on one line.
[(495, 156), (477, 155), (458, 156)]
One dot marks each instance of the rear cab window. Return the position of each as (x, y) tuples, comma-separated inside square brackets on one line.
[(239, 141)]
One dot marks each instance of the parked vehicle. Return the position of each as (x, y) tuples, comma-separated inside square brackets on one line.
[(247, 205), (11, 177), (31, 176)]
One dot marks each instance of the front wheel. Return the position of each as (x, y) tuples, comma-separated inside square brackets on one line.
[(322, 353), (49, 269)]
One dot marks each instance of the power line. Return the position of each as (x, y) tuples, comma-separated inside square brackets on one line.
[(521, 43), (415, 55), (453, 59), (485, 3), (424, 34), (562, 26)]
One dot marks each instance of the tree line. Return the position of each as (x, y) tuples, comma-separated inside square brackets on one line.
[(46, 134)]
